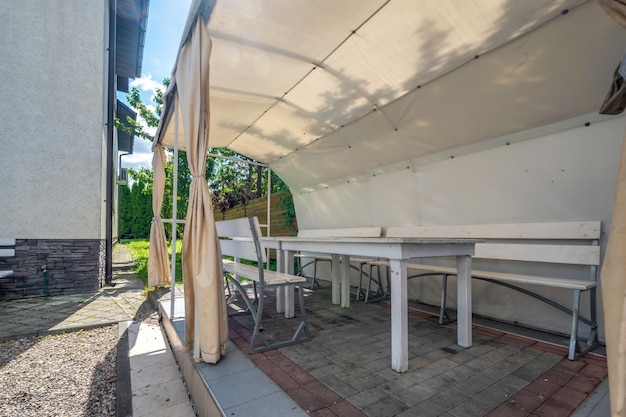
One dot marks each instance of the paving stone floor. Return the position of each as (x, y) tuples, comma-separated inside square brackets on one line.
[(55, 314), (345, 369)]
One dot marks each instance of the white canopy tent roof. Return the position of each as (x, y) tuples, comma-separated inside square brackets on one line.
[(325, 91)]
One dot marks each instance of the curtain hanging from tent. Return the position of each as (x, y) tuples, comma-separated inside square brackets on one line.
[(202, 259), (613, 276), (158, 264)]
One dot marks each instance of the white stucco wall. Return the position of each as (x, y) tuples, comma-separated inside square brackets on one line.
[(563, 176), (51, 118)]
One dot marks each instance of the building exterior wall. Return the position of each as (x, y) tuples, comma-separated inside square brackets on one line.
[(52, 120), (569, 175)]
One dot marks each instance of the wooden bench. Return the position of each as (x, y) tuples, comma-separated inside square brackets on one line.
[(7, 249), (567, 243), (369, 231), (239, 239)]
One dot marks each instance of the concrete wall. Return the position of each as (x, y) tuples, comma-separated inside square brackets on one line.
[(51, 115), (565, 175)]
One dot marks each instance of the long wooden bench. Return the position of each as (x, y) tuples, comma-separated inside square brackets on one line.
[(239, 239), (568, 243), (315, 259), (7, 249)]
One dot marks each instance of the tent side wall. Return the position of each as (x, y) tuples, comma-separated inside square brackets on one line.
[(564, 176), (53, 58)]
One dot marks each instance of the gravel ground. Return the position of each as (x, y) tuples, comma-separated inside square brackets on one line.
[(70, 374)]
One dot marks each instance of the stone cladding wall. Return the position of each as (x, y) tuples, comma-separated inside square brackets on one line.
[(72, 266)]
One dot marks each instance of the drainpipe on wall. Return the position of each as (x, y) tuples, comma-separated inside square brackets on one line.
[(108, 256)]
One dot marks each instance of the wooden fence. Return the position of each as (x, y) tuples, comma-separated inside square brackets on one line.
[(281, 222)]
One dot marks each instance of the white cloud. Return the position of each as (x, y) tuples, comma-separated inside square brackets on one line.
[(141, 156), (142, 152), (146, 83)]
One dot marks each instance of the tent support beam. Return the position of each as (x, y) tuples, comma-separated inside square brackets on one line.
[(174, 217)]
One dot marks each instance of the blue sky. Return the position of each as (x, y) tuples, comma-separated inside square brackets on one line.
[(166, 19)]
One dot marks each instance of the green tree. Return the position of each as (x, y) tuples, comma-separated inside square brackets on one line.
[(231, 182), (126, 211)]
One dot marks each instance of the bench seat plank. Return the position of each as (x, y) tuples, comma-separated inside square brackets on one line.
[(573, 284), (252, 272)]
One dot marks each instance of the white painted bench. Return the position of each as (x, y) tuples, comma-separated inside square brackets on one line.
[(239, 238), (570, 243), (7, 249), (315, 259)]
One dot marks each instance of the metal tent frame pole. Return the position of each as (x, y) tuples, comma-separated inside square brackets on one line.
[(174, 214)]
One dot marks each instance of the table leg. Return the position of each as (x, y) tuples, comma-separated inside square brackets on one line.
[(336, 285), (280, 291), (345, 282), (289, 301), (280, 261), (464, 300), (289, 289), (281, 297), (399, 316)]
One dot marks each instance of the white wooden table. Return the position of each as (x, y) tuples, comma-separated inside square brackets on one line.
[(398, 251)]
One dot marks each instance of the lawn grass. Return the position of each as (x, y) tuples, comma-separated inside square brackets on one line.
[(139, 248)]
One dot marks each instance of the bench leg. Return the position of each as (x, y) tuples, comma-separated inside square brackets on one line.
[(314, 274), (369, 277), (573, 341), (592, 339), (256, 313), (381, 290), (444, 316), (300, 335), (576, 349), (361, 273), (304, 324), (369, 284), (258, 327), (251, 310)]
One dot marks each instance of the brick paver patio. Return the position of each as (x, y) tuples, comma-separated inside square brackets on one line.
[(345, 369)]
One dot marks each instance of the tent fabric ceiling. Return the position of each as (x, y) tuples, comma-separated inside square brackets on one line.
[(320, 89)]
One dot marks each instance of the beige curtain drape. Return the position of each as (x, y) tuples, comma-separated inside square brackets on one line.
[(202, 259), (613, 276), (158, 263), (613, 279)]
